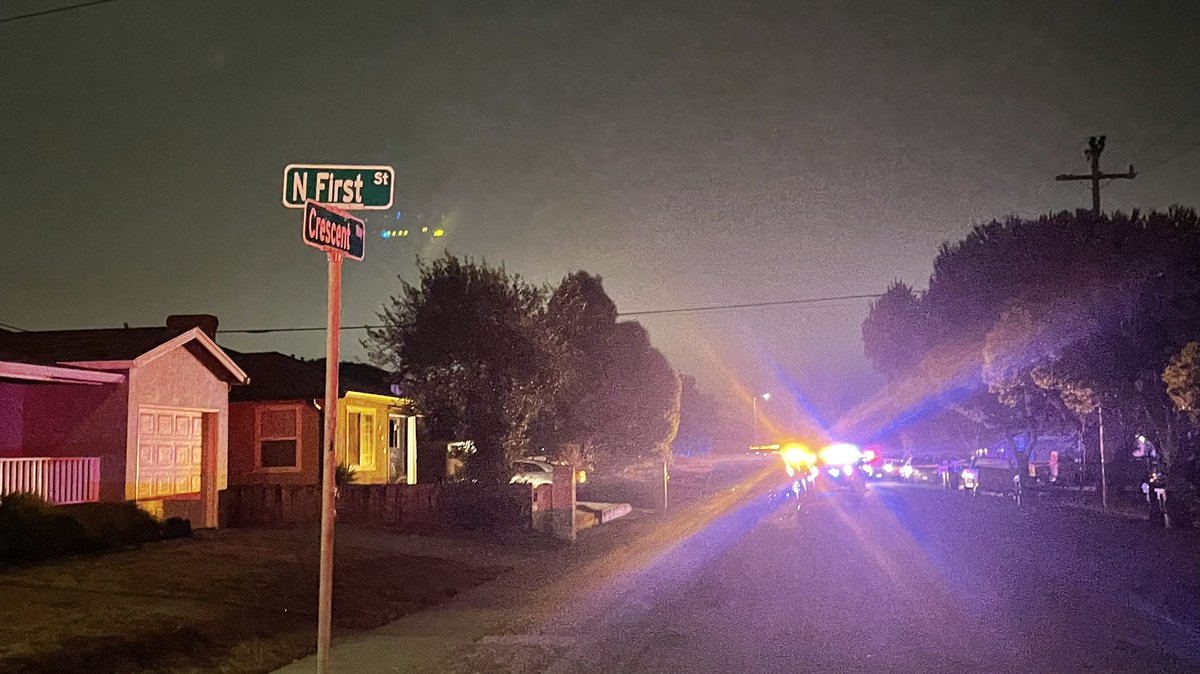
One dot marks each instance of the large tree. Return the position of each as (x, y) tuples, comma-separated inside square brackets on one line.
[(473, 346), (620, 403), (699, 420), (1046, 316), (894, 331), (1182, 377)]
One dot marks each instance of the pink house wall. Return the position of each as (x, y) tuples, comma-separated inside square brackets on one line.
[(12, 423), (68, 420)]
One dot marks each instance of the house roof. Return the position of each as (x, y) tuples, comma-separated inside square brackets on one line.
[(64, 346), (112, 347), (278, 376), (26, 372)]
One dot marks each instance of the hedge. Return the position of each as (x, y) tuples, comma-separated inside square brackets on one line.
[(32, 529)]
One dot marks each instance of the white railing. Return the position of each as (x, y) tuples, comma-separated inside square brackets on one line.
[(58, 480)]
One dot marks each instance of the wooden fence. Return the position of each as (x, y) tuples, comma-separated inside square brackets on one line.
[(469, 506)]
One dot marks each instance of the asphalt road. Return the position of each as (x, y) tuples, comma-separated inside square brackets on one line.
[(905, 580)]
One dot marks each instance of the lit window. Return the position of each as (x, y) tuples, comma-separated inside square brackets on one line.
[(360, 439)]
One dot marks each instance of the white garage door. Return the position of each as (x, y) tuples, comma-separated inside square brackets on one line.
[(170, 450)]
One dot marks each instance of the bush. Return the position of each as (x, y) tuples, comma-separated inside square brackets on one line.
[(32, 529), (115, 524), (177, 527)]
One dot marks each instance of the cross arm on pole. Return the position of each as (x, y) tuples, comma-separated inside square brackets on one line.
[(1128, 175)]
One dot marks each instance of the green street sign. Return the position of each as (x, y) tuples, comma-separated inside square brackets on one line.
[(333, 231), (346, 187)]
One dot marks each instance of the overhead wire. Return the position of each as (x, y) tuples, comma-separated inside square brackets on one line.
[(621, 314), (1163, 136), (54, 10)]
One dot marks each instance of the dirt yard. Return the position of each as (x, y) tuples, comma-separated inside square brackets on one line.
[(233, 601)]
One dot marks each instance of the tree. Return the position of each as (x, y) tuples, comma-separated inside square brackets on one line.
[(1051, 316), (583, 318), (1182, 377), (699, 419), (893, 331), (621, 400), (1014, 350), (641, 399), (472, 345)]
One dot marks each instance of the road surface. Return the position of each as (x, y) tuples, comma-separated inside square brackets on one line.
[(906, 580)]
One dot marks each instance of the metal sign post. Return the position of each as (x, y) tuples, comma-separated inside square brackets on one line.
[(329, 466), (340, 235)]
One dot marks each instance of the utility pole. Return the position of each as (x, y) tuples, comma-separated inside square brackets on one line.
[(1103, 461), (1095, 147), (754, 406)]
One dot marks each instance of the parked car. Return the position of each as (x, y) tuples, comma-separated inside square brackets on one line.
[(888, 468), (954, 473), (920, 468), (540, 470), (532, 471)]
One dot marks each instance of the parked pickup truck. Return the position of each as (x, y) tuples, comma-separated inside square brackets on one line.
[(990, 475)]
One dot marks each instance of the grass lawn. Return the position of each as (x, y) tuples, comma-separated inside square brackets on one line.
[(224, 601)]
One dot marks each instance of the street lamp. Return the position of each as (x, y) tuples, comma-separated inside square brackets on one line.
[(754, 405)]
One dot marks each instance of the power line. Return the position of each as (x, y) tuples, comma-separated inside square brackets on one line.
[(622, 314), (751, 305), (1186, 149), (56, 10), (1166, 134)]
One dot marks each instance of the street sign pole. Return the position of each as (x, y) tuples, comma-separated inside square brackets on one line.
[(329, 466), (328, 227)]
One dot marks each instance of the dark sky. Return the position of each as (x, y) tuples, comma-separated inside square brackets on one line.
[(691, 153)]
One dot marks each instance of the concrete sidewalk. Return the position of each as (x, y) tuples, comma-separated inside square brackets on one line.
[(540, 581)]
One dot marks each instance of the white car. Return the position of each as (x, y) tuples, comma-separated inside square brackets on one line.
[(534, 472)]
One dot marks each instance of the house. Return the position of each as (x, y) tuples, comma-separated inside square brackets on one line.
[(276, 427), (124, 414)]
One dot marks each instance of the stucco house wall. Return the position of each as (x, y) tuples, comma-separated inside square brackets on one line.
[(244, 439), (183, 378), (61, 420), (12, 421)]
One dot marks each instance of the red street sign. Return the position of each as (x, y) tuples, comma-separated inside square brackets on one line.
[(333, 231)]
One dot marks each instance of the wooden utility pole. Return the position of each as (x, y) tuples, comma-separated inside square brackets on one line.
[(1095, 147)]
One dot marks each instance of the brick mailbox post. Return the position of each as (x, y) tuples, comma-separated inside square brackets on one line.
[(554, 505)]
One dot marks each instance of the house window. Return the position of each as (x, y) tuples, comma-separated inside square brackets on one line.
[(360, 438), (278, 438)]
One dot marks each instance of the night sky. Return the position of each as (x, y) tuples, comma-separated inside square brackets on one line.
[(691, 153)]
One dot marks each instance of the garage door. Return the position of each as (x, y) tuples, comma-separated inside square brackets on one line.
[(170, 447)]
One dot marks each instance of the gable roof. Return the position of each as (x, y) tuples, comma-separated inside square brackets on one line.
[(277, 376), (112, 346), (62, 346)]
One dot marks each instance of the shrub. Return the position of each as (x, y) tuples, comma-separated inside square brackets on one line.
[(345, 474), (177, 527), (115, 525), (32, 529)]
